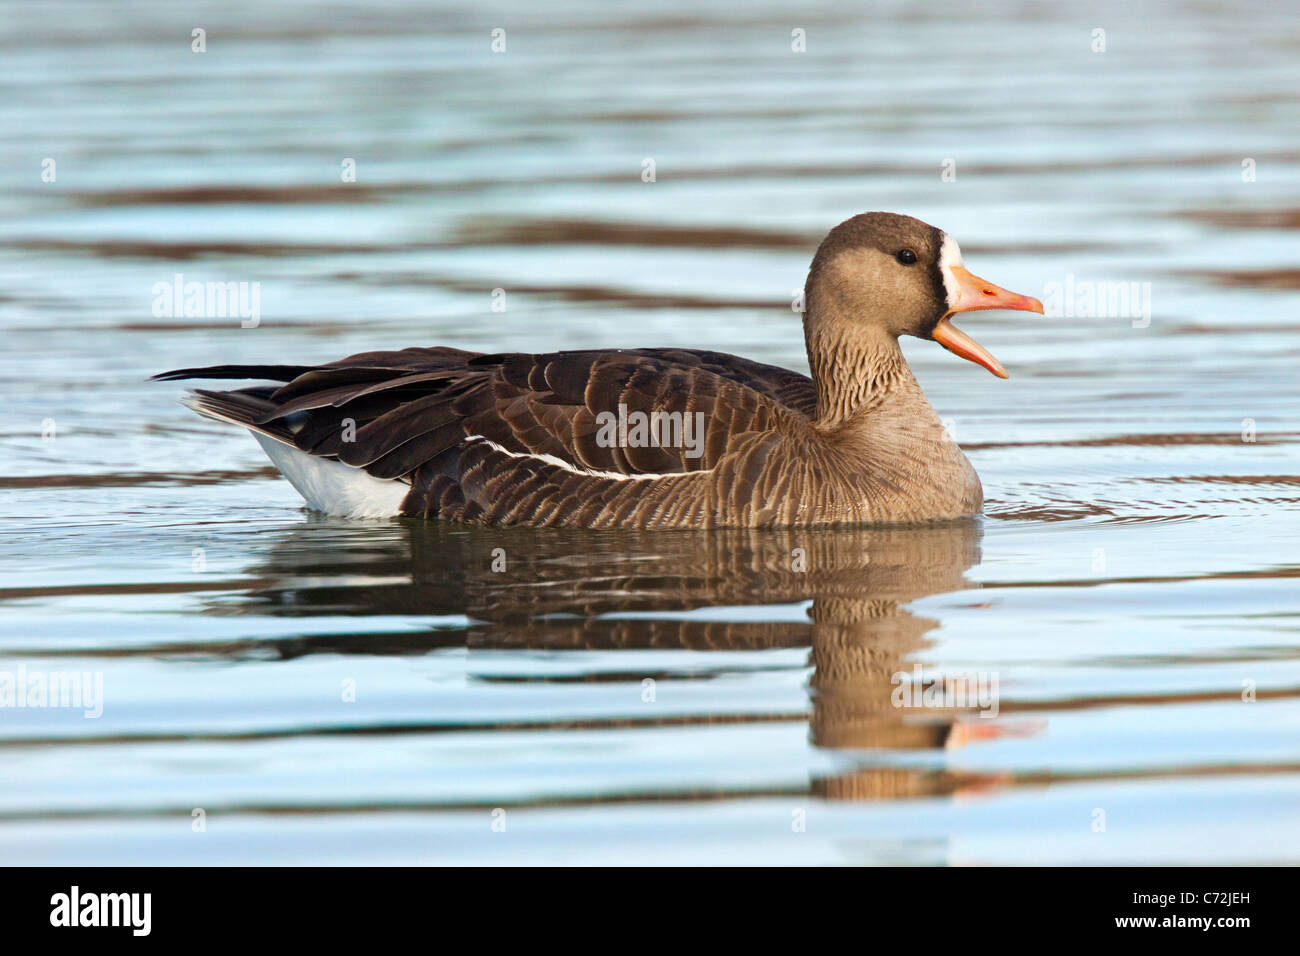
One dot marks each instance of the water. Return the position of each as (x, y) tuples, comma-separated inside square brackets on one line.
[(326, 691)]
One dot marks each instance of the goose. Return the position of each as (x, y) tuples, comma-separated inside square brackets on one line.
[(651, 438)]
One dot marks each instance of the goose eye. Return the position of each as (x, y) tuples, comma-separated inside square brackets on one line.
[(906, 256)]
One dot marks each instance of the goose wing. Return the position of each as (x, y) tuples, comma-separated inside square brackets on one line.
[(393, 413)]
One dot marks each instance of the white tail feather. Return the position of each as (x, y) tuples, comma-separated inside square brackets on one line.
[(325, 484), (333, 487)]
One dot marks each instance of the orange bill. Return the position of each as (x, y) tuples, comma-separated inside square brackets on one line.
[(974, 293)]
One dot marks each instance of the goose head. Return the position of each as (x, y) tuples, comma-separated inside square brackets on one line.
[(882, 272)]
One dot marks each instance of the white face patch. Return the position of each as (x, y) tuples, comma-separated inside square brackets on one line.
[(949, 256)]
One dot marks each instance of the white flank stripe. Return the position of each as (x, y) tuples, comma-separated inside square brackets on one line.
[(561, 463)]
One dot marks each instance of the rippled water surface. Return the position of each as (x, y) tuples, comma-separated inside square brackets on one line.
[(331, 691)]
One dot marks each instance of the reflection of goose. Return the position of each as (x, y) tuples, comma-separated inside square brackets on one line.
[(649, 438), (859, 648), (624, 590), (514, 576)]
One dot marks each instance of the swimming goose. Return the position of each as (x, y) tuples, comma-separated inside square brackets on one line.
[(649, 438)]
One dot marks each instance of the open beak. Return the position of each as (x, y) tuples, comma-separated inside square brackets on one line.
[(974, 293)]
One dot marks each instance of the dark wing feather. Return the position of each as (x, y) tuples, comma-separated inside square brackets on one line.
[(392, 413), (271, 373)]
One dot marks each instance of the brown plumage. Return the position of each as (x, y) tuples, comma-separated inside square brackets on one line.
[(649, 438)]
